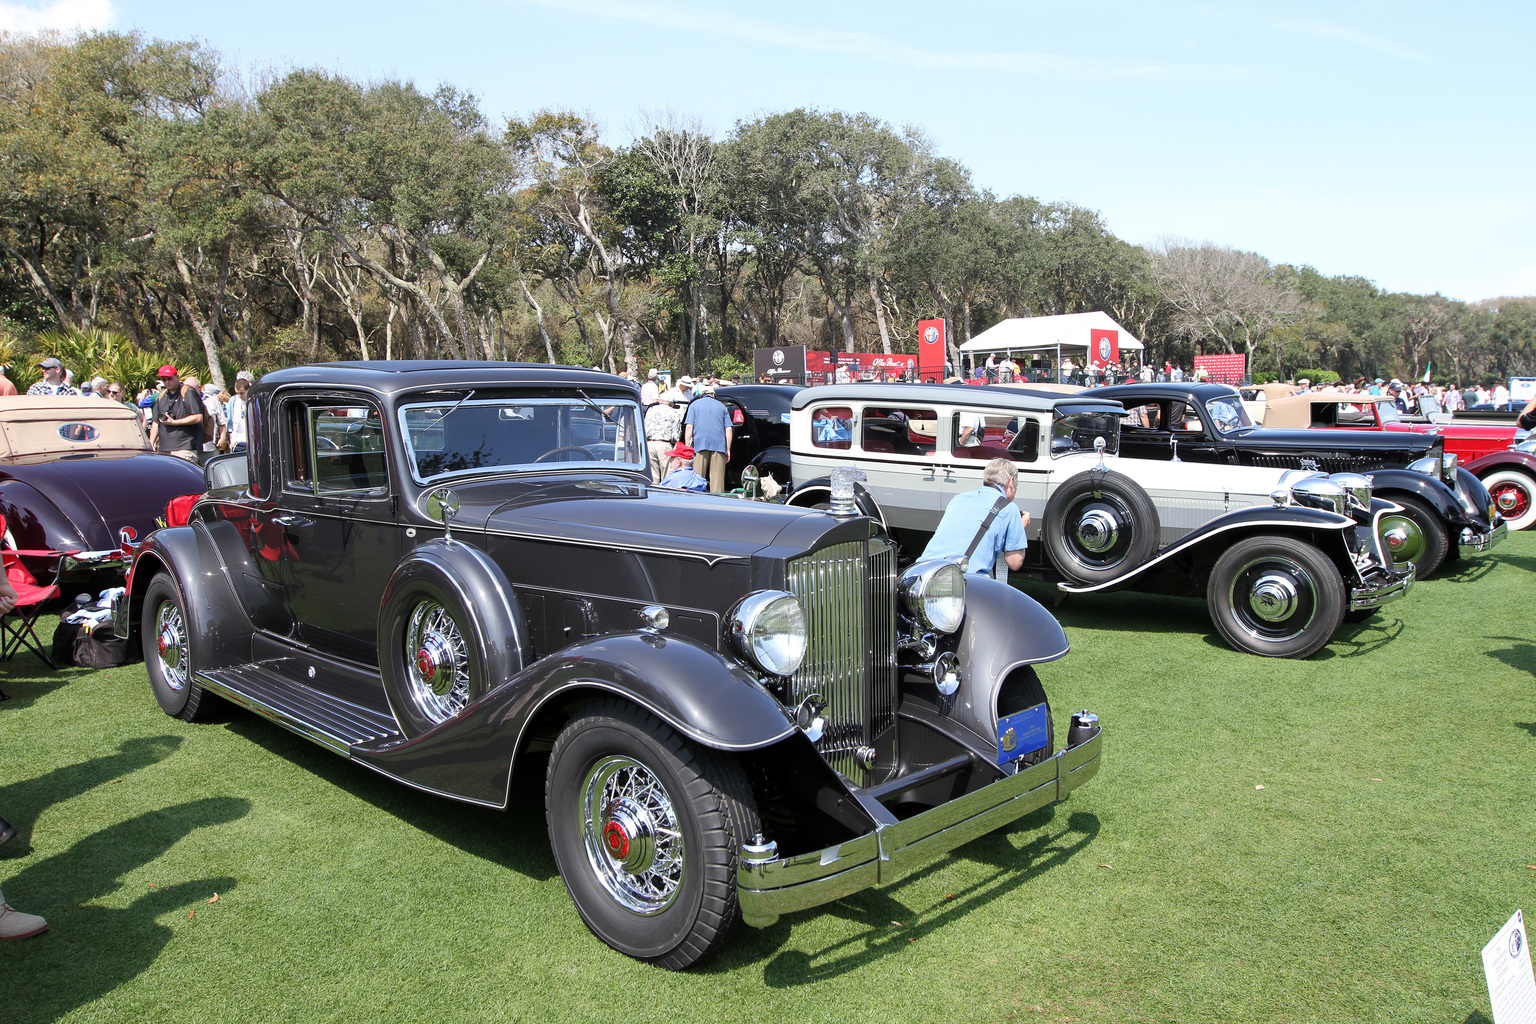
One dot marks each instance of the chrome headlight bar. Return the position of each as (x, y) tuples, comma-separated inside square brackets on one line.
[(768, 629), (933, 593)]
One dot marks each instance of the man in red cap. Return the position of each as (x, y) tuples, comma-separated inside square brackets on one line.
[(680, 472), (176, 422)]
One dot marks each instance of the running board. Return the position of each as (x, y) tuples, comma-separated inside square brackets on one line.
[(329, 721)]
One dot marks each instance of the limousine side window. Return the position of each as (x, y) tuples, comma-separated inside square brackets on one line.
[(899, 431)]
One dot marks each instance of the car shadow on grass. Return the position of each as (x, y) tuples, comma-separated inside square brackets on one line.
[(24, 802), (24, 679), (515, 838), (1465, 570), (891, 925), (1520, 655), (94, 944)]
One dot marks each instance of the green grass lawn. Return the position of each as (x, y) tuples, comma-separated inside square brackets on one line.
[(1325, 840)]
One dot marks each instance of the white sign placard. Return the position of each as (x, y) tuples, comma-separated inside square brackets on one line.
[(1511, 985)]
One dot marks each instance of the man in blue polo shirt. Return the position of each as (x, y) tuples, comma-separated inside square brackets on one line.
[(707, 429), (982, 524)]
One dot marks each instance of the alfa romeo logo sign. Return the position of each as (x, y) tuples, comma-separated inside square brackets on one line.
[(931, 335), (778, 357), (1104, 349)]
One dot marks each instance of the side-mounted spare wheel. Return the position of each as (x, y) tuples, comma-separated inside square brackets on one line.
[(1276, 596), (1098, 526), (165, 631), (645, 827), (1415, 535), (446, 634)]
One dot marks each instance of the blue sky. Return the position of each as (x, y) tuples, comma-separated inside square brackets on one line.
[(1389, 140)]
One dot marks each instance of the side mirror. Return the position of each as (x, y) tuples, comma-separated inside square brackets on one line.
[(443, 505)]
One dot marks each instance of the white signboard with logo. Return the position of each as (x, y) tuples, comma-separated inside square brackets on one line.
[(1511, 985)]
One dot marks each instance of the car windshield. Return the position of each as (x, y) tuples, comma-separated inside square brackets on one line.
[(473, 435), (1228, 414), (1075, 432), (1389, 412)]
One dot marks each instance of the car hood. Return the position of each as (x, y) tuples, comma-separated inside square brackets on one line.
[(628, 514), (102, 494), (1319, 438)]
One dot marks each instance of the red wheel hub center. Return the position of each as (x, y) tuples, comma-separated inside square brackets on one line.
[(425, 665), (161, 644), (617, 839)]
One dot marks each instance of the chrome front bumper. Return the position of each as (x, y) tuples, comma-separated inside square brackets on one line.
[(1474, 543), (1378, 585), (781, 885)]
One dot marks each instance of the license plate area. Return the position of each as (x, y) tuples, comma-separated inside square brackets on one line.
[(1022, 732)]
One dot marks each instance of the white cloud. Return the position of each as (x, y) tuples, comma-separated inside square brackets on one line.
[(869, 46), (61, 15)]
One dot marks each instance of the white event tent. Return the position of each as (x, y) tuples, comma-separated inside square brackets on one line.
[(1070, 334)]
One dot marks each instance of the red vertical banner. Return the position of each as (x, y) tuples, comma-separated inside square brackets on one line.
[(1103, 346), (932, 348)]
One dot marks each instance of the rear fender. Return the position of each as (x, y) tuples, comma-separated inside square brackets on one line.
[(1496, 461), (699, 692)]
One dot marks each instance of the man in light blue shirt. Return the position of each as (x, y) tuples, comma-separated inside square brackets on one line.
[(971, 526), (707, 428)]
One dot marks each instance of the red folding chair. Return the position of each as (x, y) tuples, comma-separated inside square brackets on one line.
[(18, 628)]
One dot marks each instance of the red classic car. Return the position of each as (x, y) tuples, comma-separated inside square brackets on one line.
[(1486, 449)]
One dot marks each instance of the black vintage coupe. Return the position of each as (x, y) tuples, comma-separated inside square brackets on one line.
[(461, 576), (1446, 512)]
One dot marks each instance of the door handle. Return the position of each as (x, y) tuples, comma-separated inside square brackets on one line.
[(289, 522)]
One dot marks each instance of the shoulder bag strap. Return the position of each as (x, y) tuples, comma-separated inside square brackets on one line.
[(986, 524)]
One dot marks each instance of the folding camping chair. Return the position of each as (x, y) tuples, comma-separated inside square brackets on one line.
[(18, 628)]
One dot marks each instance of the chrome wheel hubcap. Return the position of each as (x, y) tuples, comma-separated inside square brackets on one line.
[(1098, 530), (439, 657), (171, 645), (1273, 597), (631, 834)]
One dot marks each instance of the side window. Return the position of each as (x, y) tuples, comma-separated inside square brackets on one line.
[(1182, 416), (899, 431), (987, 435), (1147, 416), (832, 428), (335, 449)]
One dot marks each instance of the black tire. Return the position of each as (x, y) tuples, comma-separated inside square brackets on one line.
[(166, 636), (431, 655), (1021, 690), (1098, 526), (617, 860), (1276, 596), (1414, 535)]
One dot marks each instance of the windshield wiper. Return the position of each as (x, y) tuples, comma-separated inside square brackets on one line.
[(595, 407), (450, 412)]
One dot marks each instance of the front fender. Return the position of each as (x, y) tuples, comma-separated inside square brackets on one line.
[(219, 630), (1387, 482), (1224, 531), (699, 692), (1495, 461)]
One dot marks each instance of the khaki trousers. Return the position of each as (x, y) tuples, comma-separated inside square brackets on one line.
[(711, 466)]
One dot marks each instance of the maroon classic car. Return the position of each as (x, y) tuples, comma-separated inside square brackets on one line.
[(1486, 449), (77, 475)]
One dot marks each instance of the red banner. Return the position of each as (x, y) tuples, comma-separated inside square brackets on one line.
[(931, 349), (1221, 369), (1104, 347)]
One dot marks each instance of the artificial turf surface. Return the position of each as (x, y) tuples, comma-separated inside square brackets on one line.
[(1324, 840)]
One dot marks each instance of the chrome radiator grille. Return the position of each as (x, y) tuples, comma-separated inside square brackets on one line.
[(1325, 463), (849, 594)]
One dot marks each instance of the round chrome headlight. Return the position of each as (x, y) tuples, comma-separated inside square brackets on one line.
[(1528, 445), (1448, 468), (934, 594), (1322, 493), (1429, 466), (768, 629), (1358, 488)]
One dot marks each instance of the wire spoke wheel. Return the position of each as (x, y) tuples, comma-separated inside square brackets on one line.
[(171, 645), (438, 676), (632, 836)]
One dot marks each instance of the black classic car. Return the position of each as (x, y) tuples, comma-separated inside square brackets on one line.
[(77, 475), (1444, 510), (760, 418), (461, 576)]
